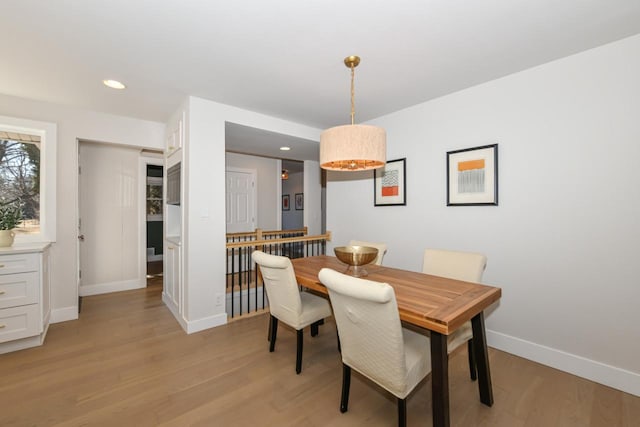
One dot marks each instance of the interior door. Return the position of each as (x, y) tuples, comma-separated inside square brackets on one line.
[(108, 207), (241, 200)]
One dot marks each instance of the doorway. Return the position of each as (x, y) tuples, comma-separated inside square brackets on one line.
[(292, 195), (154, 221), (111, 208)]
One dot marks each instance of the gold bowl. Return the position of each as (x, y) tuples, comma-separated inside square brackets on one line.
[(355, 257)]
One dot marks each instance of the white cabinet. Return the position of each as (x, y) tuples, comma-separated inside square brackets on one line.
[(172, 281), (175, 136), (176, 149), (25, 305)]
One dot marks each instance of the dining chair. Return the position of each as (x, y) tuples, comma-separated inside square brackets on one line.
[(373, 341), (381, 247), (466, 266), (286, 302)]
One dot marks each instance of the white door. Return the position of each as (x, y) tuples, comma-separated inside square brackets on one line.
[(109, 249), (241, 200)]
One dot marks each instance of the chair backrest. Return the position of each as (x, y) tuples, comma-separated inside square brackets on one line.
[(456, 265), (369, 327), (281, 285), (381, 247)]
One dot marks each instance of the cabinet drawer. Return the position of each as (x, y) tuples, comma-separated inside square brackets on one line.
[(19, 322), (18, 263), (18, 289)]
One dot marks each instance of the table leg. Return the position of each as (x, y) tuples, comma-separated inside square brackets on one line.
[(439, 379), (482, 359)]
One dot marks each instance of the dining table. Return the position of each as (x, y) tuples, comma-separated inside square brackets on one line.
[(438, 304)]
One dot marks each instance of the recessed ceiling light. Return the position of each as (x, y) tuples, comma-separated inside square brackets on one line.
[(285, 148), (113, 84)]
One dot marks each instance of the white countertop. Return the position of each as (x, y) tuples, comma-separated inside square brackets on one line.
[(20, 248)]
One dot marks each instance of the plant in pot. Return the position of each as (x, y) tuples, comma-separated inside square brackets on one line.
[(10, 217)]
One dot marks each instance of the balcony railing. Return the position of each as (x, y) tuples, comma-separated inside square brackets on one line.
[(244, 286)]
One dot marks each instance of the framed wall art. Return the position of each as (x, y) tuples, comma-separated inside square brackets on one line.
[(472, 176), (285, 202), (389, 184), (299, 200)]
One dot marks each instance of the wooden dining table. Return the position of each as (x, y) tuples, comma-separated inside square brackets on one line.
[(437, 304)]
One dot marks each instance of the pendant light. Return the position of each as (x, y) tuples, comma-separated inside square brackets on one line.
[(353, 147)]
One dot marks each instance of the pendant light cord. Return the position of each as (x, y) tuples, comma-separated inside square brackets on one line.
[(353, 93)]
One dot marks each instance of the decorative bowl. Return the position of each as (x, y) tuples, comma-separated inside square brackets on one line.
[(356, 257)]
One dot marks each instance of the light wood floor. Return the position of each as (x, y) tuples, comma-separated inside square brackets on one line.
[(126, 362)]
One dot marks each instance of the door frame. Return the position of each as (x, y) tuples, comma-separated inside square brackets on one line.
[(141, 278), (143, 161)]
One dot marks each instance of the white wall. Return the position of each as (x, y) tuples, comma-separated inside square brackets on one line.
[(563, 243), (269, 196), (313, 197), (267, 177), (74, 124), (203, 242)]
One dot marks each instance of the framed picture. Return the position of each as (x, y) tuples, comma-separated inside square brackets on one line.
[(285, 202), (472, 176), (389, 184), (299, 199)]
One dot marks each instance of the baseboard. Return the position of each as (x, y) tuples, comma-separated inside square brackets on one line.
[(174, 310), (21, 344), (191, 326), (617, 378), (64, 314), (206, 323), (105, 288)]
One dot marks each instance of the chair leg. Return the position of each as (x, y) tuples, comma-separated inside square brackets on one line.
[(402, 412), (299, 351), (274, 333), (269, 328), (338, 337), (315, 327), (346, 383), (472, 360)]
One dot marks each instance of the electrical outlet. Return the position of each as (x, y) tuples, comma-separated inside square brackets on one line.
[(218, 299)]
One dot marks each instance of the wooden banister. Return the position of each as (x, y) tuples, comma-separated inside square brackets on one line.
[(244, 285), (257, 231), (262, 242)]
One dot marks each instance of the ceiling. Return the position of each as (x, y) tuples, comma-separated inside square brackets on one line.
[(284, 57), (248, 140)]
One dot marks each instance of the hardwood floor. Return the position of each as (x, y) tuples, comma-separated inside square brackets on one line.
[(126, 362)]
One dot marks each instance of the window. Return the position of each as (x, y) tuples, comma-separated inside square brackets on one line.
[(27, 175), (154, 198), (20, 177)]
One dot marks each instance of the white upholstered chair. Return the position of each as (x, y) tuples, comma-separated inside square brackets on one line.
[(286, 302), (381, 247), (466, 266), (373, 340)]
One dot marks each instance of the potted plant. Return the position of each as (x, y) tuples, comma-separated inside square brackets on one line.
[(10, 217)]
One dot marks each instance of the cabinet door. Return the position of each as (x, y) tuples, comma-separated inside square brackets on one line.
[(19, 322), (168, 285), (172, 275), (177, 279), (18, 263), (19, 289), (175, 136)]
